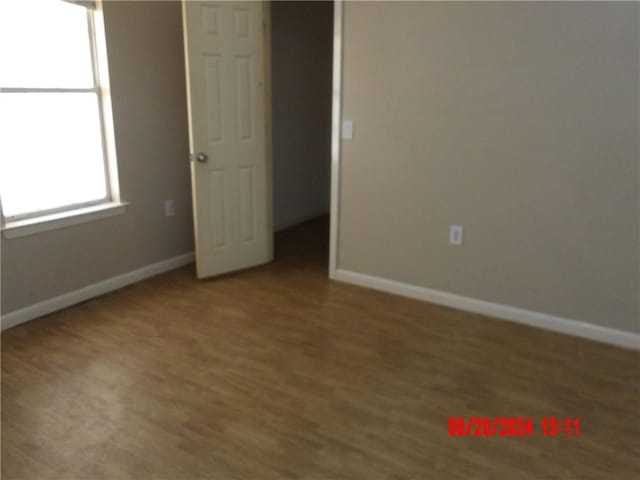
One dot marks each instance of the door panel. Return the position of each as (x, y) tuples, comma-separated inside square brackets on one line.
[(224, 44)]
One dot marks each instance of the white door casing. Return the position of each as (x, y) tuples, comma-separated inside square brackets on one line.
[(225, 65)]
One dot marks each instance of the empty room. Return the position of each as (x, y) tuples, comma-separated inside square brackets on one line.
[(319, 240)]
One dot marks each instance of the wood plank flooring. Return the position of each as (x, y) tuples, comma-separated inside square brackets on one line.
[(279, 373)]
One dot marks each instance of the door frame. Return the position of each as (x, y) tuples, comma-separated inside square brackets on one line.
[(336, 120), (268, 113), (336, 117)]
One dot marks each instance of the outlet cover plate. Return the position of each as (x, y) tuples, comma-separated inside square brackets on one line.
[(455, 235)]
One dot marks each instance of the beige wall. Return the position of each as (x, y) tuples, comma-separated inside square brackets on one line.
[(302, 39), (144, 41), (519, 121)]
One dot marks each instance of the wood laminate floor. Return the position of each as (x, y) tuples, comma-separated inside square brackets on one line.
[(279, 373)]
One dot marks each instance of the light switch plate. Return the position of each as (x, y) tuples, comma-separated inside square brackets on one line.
[(347, 129)]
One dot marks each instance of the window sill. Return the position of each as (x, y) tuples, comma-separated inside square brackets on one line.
[(22, 228)]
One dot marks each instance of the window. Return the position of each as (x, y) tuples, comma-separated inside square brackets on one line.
[(56, 147)]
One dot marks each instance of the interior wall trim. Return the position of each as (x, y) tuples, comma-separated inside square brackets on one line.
[(567, 326), (336, 120), (68, 299)]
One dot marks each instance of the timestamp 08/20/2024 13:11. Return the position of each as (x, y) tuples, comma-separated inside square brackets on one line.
[(512, 427)]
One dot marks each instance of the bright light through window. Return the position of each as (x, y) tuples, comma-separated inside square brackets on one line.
[(51, 133), (44, 43)]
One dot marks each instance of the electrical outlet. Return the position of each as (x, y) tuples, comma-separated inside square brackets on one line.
[(455, 235), (169, 208)]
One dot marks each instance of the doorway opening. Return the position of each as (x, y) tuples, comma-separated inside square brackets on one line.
[(301, 97)]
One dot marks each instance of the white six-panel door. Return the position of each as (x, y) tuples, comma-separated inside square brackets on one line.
[(224, 44)]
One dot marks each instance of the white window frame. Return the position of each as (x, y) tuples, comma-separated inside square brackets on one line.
[(111, 204)]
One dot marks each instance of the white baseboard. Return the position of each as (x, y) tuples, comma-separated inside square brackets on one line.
[(505, 312), (65, 300)]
